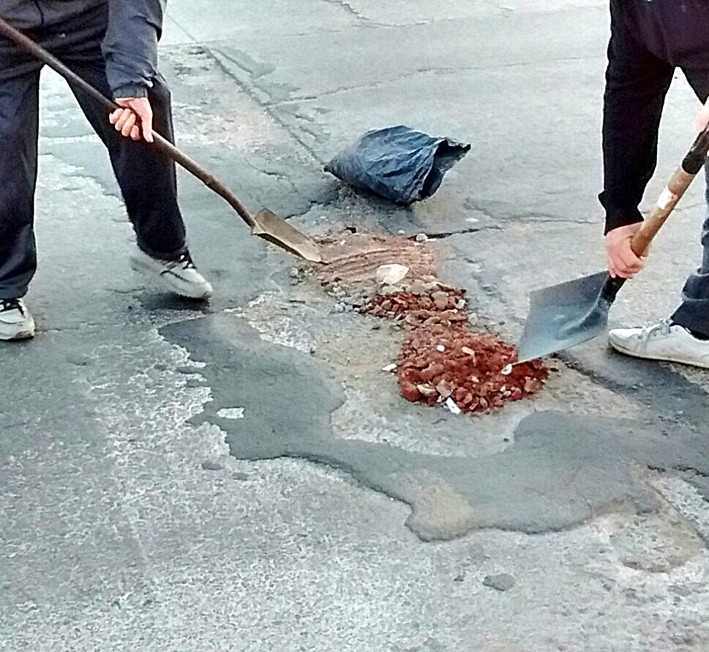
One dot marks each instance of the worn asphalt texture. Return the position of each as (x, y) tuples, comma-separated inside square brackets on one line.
[(243, 475)]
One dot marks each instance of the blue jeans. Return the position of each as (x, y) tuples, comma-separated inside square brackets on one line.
[(694, 311)]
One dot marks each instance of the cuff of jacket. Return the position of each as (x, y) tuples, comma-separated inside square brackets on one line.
[(617, 217), (130, 90)]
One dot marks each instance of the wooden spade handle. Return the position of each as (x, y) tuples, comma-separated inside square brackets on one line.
[(673, 192), (166, 147)]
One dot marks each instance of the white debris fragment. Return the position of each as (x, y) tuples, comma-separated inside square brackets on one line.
[(441, 348), (391, 274), (427, 391), (507, 370), (421, 237), (452, 406), (389, 368), (231, 413)]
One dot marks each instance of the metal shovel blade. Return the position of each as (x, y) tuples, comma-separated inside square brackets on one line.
[(563, 315), (269, 226)]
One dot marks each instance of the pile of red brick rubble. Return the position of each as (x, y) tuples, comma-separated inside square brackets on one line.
[(443, 360)]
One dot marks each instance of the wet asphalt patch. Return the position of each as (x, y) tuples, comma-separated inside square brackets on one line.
[(561, 470)]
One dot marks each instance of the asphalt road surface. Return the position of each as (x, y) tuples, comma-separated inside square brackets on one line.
[(243, 476)]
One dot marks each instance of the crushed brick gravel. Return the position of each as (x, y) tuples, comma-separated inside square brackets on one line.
[(443, 359), (475, 370)]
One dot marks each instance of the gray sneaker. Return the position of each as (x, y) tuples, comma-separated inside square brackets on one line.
[(16, 322), (179, 276)]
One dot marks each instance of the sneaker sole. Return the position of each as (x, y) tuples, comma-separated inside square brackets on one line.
[(152, 272), (26, 333), (22, 335), (645, 356)]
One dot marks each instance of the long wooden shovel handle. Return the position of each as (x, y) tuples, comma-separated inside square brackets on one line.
[(673, 192), (161, 143)]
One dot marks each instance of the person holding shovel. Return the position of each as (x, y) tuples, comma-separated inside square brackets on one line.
[(649, 40), (113, 45)]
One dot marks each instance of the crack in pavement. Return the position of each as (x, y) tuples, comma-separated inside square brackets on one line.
[(219, 57), (349, 9), (683, 468), (441, 235), (497, 212), (437, 71)]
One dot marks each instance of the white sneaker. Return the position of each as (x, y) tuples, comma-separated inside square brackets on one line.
[(662, 341), (179, 276), (16, 322)]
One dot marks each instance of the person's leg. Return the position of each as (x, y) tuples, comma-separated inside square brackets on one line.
[(637, 81), (19, 118), (19, 115), (146, 177), (685, 336), (149, 186)]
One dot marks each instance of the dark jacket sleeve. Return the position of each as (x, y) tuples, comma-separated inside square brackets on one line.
[(131, 45), (636, 85)]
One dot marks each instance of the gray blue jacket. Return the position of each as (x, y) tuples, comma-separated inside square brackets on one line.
[(131, 42)]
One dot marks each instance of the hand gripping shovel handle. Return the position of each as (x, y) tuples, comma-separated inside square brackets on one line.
[(673, 192), (161, 143)]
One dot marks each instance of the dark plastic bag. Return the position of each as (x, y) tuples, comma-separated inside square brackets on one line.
[(398, 163)]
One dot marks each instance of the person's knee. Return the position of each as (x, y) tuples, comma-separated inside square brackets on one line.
[(14, 131), (18, 167)]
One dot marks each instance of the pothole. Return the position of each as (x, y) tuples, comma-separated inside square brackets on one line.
[(443, 360)]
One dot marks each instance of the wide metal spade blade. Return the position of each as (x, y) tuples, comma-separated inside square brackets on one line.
[(563, 315), (279, 232)]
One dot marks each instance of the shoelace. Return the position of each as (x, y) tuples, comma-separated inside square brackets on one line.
[(184, 261), (10, 304), (663, 327)]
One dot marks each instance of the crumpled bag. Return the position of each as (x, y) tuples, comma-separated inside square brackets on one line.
[(397, 163)]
